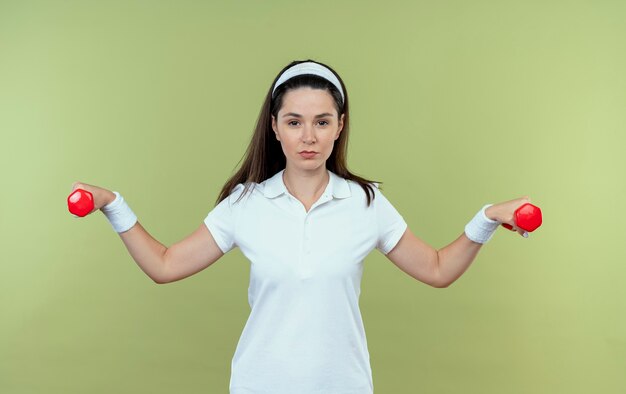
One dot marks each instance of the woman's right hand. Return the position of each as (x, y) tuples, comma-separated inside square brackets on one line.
[(101, 196)]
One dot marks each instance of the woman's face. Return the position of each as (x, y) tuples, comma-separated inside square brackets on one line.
[(307, 126)]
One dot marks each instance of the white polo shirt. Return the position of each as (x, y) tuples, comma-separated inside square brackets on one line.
[(304, 334)]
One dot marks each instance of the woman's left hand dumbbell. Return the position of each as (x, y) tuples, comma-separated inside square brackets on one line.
[(508, 214), (85, 199), (527, 217)]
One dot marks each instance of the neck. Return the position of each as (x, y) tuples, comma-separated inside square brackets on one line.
[(306, 185)]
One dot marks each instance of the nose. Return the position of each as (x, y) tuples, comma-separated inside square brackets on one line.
[(308, 134)]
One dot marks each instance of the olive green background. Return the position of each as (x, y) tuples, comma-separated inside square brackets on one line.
[(454, 104)]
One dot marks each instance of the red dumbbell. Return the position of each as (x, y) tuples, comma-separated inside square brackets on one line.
[(80, 202), (527, 217)]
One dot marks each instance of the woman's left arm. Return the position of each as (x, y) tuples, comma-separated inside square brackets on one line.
[(440, 268)]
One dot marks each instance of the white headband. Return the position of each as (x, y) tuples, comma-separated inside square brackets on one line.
[(309, 68)]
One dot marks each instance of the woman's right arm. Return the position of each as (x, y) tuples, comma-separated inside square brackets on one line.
[(162, 264)]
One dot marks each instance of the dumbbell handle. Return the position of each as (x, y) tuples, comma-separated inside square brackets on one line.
[(527, 217)]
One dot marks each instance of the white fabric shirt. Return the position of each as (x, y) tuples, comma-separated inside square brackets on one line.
[(304, 334)]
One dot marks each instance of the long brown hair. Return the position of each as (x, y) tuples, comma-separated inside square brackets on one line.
[(264, 156)]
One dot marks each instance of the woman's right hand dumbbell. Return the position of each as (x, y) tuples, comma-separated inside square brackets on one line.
[(85, 199)]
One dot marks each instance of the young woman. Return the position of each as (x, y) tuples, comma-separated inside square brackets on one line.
[(306, 223)]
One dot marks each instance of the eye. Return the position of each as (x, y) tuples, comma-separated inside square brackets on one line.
[(323, 123), (292, 123)]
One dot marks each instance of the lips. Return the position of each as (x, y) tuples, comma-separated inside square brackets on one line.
[(307, 154)]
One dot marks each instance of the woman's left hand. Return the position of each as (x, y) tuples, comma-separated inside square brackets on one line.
[(504, 213)]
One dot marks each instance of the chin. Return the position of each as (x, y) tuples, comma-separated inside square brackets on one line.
[(310, 165)]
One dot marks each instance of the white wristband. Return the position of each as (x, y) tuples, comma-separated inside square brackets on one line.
[(480, 229), (119, 214)]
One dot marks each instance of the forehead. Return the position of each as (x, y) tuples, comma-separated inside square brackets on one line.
[(307, 100)]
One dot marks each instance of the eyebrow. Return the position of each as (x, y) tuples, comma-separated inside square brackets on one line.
[(295, 115)]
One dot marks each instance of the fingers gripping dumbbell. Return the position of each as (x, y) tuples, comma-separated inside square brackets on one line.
[(527, 217)]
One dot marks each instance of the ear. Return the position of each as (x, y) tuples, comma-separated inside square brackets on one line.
[(275, 127), (341, 118)]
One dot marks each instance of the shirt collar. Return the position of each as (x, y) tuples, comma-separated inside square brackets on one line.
[(337, 187)]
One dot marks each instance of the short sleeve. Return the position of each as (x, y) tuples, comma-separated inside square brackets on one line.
[(222, 219), (391, 225)]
